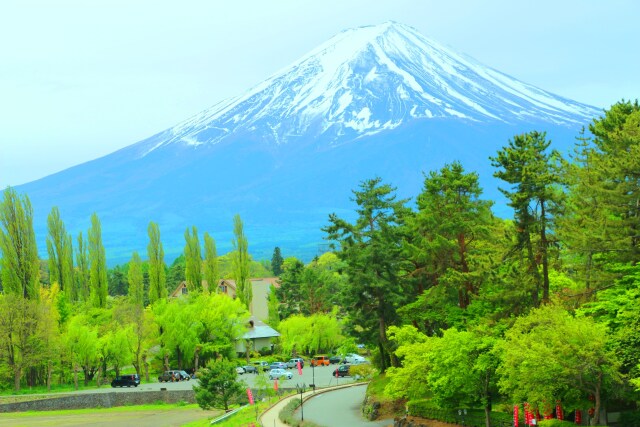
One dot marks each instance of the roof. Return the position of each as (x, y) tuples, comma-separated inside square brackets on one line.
[(260, 330)]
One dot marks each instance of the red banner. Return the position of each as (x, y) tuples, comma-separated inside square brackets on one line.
[(559, 414), (578, 416), (516, 415), (250, 396), (299, 368), (275, 385)]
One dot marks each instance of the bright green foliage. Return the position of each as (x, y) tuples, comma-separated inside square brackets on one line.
[(81, 340), (135, 279), (550, 355), (534, 196), (310, 335), (218, 386), (117, 347), (97, 264), (290, 291), (157, 274), (193, 260), (276, 262), (59, 248), (19, 265), (211, 270), (273, 305), (240, 261), (372, 252), (82, 276)]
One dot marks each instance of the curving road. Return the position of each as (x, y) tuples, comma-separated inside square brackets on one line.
[(339, 408)]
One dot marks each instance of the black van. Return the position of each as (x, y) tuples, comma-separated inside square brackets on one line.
[(132, 380)]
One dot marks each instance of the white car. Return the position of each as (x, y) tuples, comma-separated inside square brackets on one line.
[(354, 359), (240, 370), (279, 373)]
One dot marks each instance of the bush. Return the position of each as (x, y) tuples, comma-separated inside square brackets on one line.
[(364, 371), (287, 417), (425, 408)]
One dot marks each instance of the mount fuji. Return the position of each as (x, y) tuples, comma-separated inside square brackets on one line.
[(380, 100)]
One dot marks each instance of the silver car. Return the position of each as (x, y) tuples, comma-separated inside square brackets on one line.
[(279, 373)]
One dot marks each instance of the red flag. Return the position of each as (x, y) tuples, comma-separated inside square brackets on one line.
[(299, 367), (559, 414), (275, 385), (578, 416), (250, 396), (516, 416)]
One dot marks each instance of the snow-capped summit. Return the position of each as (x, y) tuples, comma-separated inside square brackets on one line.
[(369, 79)]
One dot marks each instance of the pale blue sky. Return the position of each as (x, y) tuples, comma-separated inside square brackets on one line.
[(80, 79)]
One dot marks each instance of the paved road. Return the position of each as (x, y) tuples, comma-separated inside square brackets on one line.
[(339, 408)]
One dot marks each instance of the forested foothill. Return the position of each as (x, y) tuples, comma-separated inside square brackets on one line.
[(458, 309)]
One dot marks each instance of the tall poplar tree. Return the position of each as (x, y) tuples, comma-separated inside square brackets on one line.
[(240, 263), (193, 260), (19, 265), (97, 264), (135, 279), (83, 275), (534, 177), (157, 273), (211, 270), (59, 248)]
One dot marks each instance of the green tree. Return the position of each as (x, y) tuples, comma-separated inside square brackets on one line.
[(19, 264), (534, 178), (310, 334), (273, 306), (211, 270), (59, 248), (276, 262), (117, 280), (193, 260), (562, 358), (217, 385), (240, 262), (97, 264), (157, 274), (371, 250), (83, 276), (290, 291), (135, 279), (81, 340)]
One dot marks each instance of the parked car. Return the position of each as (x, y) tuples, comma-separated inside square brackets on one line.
[(336, 359), (278, 365), (279, 373), (132, 380), (184, 376), (262, 365), (240, 370), (320, 360), (342, 371), (250, 369), (170, 376), (293, 363), (354, 359)]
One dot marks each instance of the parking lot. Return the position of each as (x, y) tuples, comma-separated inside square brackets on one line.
[(320, 375)]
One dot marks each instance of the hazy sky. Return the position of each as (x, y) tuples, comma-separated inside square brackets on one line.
[(81, 79)]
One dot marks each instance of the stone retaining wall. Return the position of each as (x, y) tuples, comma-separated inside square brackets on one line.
[(101, 400)]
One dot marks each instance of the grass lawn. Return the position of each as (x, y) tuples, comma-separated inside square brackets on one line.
[(117, 409)]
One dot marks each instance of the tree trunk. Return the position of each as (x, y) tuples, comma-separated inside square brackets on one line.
[(75, 375), (17, 373), (196, 360), (166, 362), (596, 415), (49, 374), (146, 367), (179, 354)]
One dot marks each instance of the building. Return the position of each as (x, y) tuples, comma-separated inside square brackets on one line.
[(259, 335)]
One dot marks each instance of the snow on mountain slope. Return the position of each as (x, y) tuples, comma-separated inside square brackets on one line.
[(369, 79)]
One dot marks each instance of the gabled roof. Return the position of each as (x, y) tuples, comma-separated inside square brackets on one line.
[(260, 330)]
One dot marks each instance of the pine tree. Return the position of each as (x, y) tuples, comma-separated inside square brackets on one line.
[(193, 259), (211, 271), (157, 274), (19, 265), (135, 279), (97, 264), (240, 263), (534, 195), (276, 262)]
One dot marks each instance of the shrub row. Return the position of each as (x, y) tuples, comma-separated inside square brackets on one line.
[(287, 415), (425, 408)]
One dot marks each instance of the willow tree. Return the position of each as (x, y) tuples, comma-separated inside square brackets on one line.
[(157, 274), (97, 264), (59, 248), (240, 263), (193, 260), (211, 270), (19, 265)]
